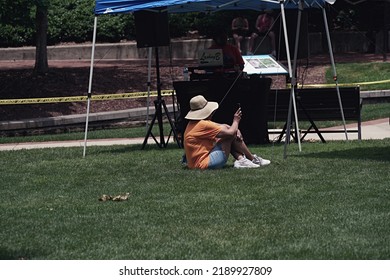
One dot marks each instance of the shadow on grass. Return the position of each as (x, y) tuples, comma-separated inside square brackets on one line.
[(132, 148), (7, 254), (360, 153)]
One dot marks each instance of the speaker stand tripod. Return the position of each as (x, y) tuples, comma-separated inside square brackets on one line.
[(160, 106)]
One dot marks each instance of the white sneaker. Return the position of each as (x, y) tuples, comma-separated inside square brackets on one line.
[(260, 161), (245, 163)]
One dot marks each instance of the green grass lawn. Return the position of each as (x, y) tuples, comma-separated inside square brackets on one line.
[(361, 73), (330, 201)]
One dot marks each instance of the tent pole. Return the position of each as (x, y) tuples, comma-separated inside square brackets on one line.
[(90, 85), (294, 74), (149, 84), (297, 36), (334, 70), (292, 78)]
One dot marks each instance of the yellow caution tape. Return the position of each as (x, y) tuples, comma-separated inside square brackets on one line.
[(100, 97), (341, 85), (145, 94)]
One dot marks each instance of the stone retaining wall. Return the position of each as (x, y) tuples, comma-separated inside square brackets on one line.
[(182, 49)]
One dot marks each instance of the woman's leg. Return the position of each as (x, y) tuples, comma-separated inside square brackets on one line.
[(239, 148), (236, 147), (226, 146)]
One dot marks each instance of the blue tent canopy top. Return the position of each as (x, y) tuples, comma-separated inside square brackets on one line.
[(184, 6)]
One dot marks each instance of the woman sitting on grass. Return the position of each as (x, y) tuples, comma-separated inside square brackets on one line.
[(207, 144)]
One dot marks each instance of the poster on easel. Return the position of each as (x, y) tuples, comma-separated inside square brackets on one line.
[(263, 65)]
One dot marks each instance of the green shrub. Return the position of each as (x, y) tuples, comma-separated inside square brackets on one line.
[(70, 21), (115, 28), (17, 23)]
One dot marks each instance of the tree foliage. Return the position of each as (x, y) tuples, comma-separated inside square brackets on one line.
[(17, 23), (72, 21)]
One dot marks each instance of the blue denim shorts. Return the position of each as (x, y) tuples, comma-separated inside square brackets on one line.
[(217, 158)]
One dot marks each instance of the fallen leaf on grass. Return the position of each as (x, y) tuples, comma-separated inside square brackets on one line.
[(121, 197), (105, 197)]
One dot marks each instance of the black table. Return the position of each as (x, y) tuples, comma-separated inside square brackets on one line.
[(252, 94)]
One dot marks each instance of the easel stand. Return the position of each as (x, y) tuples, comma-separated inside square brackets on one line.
[(160, 108)]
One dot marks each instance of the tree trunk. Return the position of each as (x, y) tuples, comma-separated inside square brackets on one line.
[(41, 18)]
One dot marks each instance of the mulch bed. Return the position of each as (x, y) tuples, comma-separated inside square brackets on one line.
[(70, 78)]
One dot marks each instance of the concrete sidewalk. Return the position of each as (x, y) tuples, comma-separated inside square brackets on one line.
[(70, 143), (376, 129)]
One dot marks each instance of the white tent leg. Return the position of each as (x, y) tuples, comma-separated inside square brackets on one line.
[(292, 88), (297, 35), (294, 73), (90, 86), (334, 70), (149, 83)]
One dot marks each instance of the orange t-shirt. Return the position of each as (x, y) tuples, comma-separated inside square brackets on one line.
[(200, 138)]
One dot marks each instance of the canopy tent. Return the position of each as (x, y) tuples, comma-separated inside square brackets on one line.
[(184, 6), (104, 7)]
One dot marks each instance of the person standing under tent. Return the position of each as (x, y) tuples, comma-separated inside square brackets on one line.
[(240, 30), (207, 144), (263, 26), (232, 59)]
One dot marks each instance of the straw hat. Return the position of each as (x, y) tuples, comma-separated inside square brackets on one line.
[(200, 108)]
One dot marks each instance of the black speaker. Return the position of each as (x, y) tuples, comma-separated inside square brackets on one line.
[(152, 28)]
